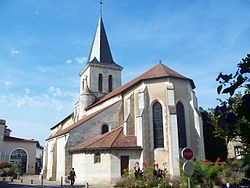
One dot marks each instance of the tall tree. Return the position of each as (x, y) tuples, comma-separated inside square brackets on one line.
[(233, 114), (215, 146)]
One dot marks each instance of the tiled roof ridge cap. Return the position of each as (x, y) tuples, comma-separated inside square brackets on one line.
[(117, 136)]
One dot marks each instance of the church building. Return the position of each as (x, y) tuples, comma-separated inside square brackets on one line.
[(149, 119)]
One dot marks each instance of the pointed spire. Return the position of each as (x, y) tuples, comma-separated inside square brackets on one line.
[(100, 51)]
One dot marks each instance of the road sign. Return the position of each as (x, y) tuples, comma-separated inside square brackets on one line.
[(187, 153), (188, 168)]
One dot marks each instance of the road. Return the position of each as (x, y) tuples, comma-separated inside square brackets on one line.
[(4, 184)]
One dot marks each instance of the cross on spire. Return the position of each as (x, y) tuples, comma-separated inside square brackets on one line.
[(101, 3)]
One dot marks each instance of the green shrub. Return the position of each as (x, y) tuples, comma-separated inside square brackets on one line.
[(5, 165), (149, 176)]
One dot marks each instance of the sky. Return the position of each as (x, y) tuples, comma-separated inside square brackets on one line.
[(45, 44)]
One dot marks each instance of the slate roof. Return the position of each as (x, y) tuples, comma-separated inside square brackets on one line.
[(100, 51), (114, 139), (158, 71), (76, 124)]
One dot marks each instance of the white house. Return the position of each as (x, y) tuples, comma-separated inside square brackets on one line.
[(13, 149)]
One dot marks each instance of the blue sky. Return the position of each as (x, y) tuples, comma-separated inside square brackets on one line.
[(45, 44)]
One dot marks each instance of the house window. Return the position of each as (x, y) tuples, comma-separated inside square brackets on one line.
[(110, 82), (100, 83), (105, 129), (181, 125), (238, 152), (158, 125), (97, 158)]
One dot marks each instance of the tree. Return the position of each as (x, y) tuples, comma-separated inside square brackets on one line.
[(233, 114), (215, 146), (241, 79)]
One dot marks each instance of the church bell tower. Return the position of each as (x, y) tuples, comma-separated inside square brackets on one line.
[(101, 74)]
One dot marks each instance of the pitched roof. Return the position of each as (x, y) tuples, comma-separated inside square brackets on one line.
[(114, 139), (158, 71), (76, 124), (62, 121), (15, 139)]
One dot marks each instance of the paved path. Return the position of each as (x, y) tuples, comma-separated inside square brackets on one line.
[(25, 182)]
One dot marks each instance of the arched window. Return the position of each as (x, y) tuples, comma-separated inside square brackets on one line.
[(19, 156), (97, 157), (181, 125), (158, 125), (100, 83), (110, 83), (105, 129)]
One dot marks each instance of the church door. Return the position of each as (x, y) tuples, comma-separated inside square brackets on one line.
[(124, 164)]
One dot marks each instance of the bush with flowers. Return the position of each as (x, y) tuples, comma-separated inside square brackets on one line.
[(147, 176), (207, 174)]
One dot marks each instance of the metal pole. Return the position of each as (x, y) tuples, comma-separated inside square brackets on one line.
[(42, 180), (61, 181), (189, 186)]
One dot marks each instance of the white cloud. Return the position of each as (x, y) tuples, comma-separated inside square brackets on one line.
[(14, 51), (27, 90), (7, 83), (56, 91), (68, 61), (81, 60), (32, 101), (41, 69)]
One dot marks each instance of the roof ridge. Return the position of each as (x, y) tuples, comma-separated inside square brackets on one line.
[(79, 122), (167, 72), (117, 136)]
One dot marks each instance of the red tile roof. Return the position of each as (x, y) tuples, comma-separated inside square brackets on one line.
[(15, 139), (114, 139), (76, 124), (158, 71)]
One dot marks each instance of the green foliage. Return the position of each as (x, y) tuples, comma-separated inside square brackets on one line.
[(215, 146), (9, 169), (229, 83), (231, 172), (207, 174), (149, 176), (233, 115), (5, 165)]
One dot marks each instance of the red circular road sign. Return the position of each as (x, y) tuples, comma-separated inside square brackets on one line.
[(187, 153)]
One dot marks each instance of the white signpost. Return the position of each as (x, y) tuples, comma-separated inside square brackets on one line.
[(188, 169)]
